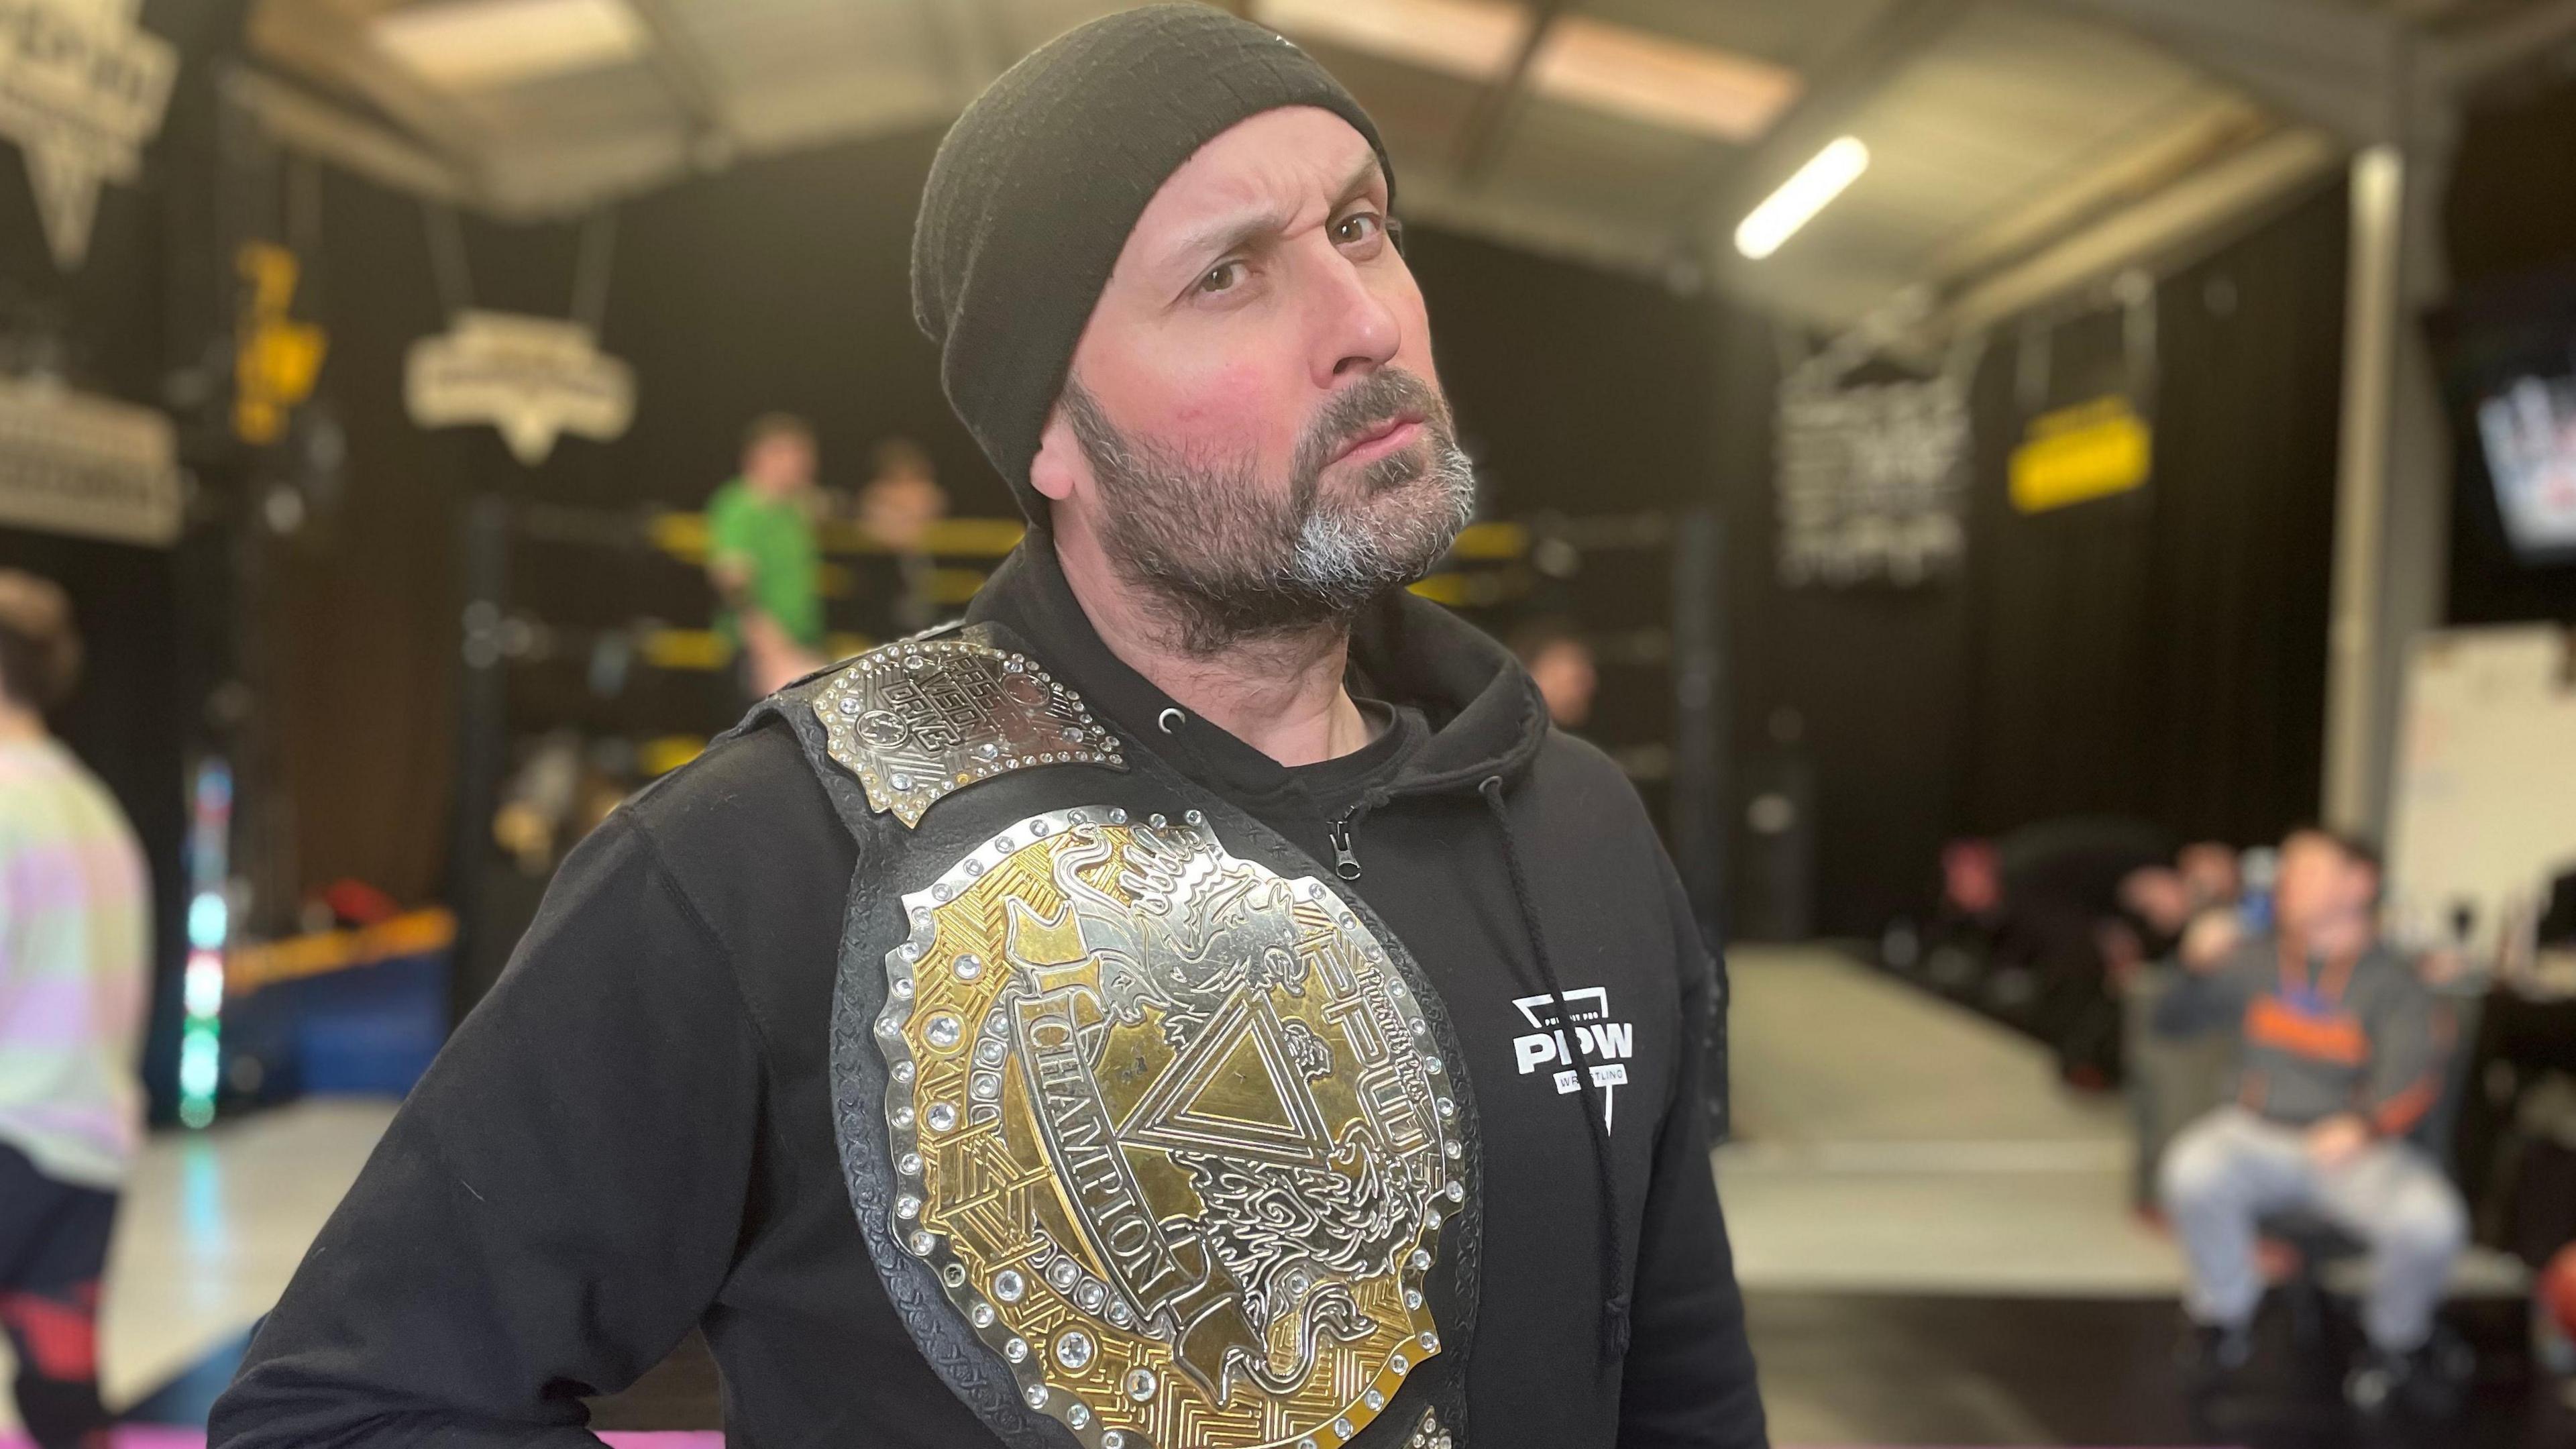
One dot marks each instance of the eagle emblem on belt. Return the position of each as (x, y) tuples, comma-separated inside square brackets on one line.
[(919, 719), (1172, 1132)]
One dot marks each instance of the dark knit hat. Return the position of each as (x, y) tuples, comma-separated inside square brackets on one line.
[(1036, 187)]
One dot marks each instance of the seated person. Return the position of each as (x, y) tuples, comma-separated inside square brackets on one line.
[(2339, 1065)]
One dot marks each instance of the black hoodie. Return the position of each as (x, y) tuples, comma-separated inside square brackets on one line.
[(632, 1134)]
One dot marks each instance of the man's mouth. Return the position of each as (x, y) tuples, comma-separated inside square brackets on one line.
[(1391, 436)]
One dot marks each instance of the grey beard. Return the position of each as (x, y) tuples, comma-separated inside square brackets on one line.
[(1221, 560)]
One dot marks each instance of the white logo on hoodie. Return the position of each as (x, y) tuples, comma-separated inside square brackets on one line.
[(1587, 1012)]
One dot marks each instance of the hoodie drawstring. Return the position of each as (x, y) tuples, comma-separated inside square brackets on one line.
[(1614, 1275)]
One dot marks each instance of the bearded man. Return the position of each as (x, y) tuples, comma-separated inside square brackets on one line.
[(1196, 1001)]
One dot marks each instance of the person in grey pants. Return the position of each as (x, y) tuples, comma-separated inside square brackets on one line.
[(2340, 1062)]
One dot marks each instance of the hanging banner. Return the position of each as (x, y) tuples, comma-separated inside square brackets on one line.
[(1872, 481), (71, 462), (82, 90), (533, 378)]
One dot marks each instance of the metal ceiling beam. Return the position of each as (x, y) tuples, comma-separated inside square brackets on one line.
[(301, 121), (1835, 91), (330, 46), (2339, 66), (2483, 54), (685, 71), (2215, 125), (2198, 210), (1480, 138)]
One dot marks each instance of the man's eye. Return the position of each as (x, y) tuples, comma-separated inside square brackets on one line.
[(1223, 277), (1359, 226)]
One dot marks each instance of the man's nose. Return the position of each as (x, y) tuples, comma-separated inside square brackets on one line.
[(1356, 330)]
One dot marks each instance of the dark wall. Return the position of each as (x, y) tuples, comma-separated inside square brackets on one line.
[(779, 284), (2158, 654), (1577, 390), (783, 283), (2509, 225)]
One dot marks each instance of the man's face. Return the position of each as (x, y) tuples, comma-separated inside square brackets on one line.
[(1566, 680), (1253, 429), (780, 463), (2313, 886)]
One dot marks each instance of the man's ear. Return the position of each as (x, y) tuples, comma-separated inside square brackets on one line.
[(1059, 463)]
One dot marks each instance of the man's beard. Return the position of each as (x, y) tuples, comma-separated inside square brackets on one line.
[(1222, 557)]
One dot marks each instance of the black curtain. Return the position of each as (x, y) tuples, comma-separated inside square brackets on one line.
[(2160, 654), (2157, 654)]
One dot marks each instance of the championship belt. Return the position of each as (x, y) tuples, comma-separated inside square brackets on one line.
[(1166, 1129)]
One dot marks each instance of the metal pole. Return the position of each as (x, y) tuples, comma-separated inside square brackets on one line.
[(482, 748), (2372, 315)]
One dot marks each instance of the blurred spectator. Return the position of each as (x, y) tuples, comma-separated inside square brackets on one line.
[(2155, 903), (74, 943), (897, 508), (2340, 1064), (763, 558), (2062, 883), (1555, 654), (2169, 1084), (2211, 874)]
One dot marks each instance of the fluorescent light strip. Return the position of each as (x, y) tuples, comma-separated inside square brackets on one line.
[(1799, 198)]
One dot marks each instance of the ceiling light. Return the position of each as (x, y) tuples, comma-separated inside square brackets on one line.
[(1476, 39), (1800, 197), (1661, 81), (466, 44)]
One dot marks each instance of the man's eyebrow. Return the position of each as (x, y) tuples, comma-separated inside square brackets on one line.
[(1230, 233), (1362, 176)]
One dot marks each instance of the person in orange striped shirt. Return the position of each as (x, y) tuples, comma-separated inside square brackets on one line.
[(2341, 1060)]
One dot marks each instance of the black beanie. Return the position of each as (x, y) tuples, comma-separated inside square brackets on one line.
[(1036, 187)]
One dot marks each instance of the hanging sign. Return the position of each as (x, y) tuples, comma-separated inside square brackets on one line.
[(72, 462), (1871, 481), (533, 378), (275, 357), (82, 89), (2074, 455)]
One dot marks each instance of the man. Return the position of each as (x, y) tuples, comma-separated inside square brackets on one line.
[(762, 556), (73, 942), (897, 508), (1196, 1003), (2340, 1063), (1557, 656)]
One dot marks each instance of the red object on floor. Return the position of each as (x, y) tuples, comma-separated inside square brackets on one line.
[(359, 904), (2557, 1289)]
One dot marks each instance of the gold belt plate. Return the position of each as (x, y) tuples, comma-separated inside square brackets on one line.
[(1172, 1130)]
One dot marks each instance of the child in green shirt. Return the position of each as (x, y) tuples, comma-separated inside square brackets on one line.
[(763, 558)]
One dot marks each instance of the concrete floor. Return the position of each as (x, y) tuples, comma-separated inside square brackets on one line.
[(1891, 1142)]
